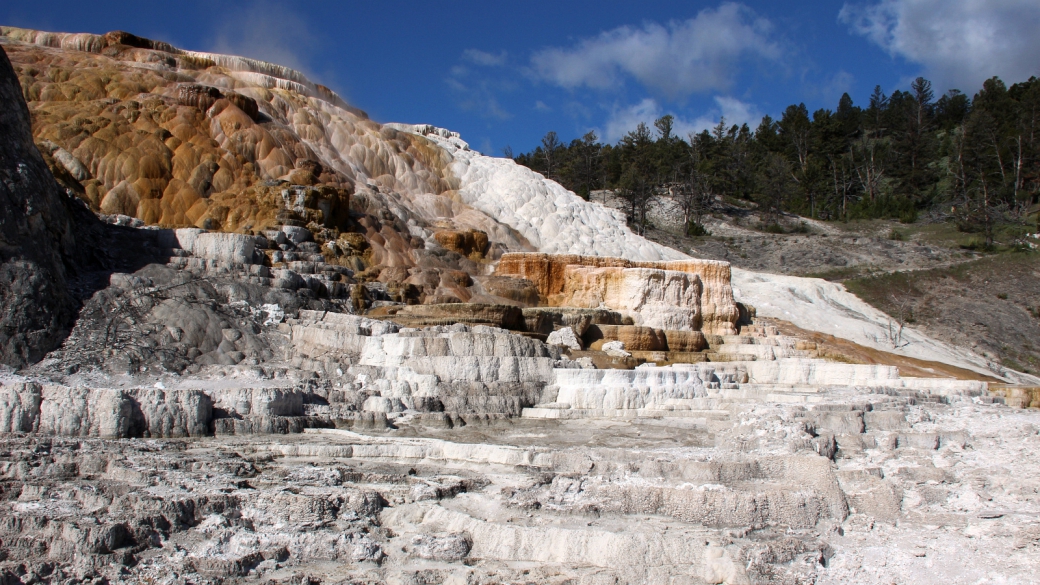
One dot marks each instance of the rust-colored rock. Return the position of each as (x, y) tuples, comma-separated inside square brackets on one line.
[(518, 290), (685, 341), (503, 316), (566, 280), (468, 243), (544, 320), (634, 337)]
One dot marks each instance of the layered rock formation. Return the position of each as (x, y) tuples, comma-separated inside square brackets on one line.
[(681, 295), (183, 138), (700, 474), (404, 183)]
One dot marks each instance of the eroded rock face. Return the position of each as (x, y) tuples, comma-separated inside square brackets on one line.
[(467, 243), (682, 295), (665, 299), (37, 237), (502, 316)]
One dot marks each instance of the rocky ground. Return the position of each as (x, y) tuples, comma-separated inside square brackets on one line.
[(990, 304), (861, 488)]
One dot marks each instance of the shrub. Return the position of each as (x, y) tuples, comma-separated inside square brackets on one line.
[(697, 229), (978, 245)]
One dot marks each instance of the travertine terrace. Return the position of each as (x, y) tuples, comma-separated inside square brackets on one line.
[(310, 348)]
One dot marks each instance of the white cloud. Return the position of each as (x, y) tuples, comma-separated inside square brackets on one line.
[(841, 82), (541, 106), (486, 148), (624, 120), (269, 32), (476, 91), (483, 58), (960, 43), (674, 60)]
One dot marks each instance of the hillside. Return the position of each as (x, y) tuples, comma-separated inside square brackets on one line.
[(142, 129), (929, 275)]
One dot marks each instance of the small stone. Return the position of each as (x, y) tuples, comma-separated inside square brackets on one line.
[(615, 349)]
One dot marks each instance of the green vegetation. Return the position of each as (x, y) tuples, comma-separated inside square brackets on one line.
[(972, 161)]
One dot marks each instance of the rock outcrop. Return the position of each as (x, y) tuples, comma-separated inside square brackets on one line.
[(683, 295), (38, 245)]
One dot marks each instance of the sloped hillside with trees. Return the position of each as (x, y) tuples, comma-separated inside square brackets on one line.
[(974, 160)]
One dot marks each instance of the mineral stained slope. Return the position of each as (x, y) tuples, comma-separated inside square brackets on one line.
[(141, 128)]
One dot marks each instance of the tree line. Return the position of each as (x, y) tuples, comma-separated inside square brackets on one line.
[(972, 160)]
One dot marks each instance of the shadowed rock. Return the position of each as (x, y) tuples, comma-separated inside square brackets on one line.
[(37, 240)]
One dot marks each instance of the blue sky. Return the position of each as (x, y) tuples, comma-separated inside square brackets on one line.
[(506, 73)]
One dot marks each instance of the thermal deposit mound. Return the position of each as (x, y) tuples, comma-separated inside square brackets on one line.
[(311, 348), (691, 295)]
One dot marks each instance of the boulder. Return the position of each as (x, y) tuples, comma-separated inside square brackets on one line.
[(615, 349), (564, 337)]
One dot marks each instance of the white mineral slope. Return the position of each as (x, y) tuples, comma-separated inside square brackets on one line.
[(819, 305), (551, 218), (557, 221)]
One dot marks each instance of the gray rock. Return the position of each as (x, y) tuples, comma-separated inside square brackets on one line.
[(449, 547), (615, 349), (564, 337), (296, 235)]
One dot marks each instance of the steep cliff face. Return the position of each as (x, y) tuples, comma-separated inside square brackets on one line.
[(36, 237)]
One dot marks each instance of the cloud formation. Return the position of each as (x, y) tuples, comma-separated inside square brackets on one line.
[(674, 60), (960, 43), (734, 111), (269, 32), (483, 58), (476, 89)]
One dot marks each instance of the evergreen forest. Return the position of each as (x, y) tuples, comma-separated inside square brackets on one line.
[(971, 160)]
